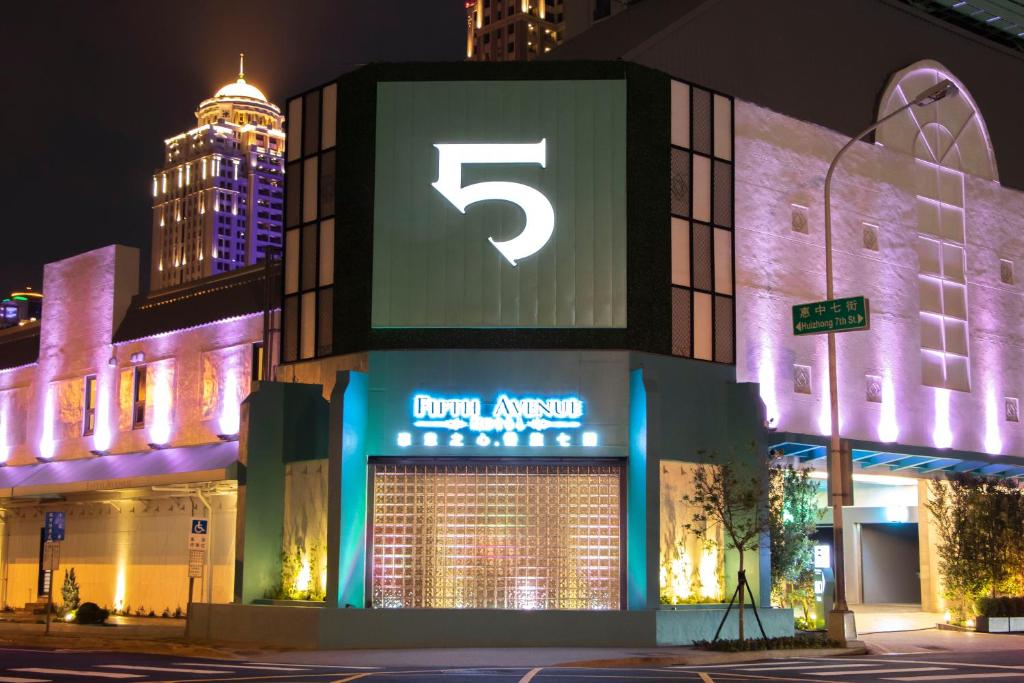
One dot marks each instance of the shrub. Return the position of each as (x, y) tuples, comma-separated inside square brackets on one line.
[(90, 613), (178, 613), (69, 591), (786, 643), (1000, 607)]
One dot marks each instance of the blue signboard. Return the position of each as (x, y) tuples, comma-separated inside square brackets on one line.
[(54, 526)]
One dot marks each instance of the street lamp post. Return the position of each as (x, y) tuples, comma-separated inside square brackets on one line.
[(841, 624)]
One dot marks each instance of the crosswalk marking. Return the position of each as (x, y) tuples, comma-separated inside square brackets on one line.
[(258, 667), (163, 669), (959, 677), (789, 667), (76, 672), (704, 667), (859, 672), (15, 679)]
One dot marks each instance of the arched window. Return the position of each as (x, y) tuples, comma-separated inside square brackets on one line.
[(948, 140)]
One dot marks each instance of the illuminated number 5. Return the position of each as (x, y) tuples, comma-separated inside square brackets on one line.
[(540, 216)]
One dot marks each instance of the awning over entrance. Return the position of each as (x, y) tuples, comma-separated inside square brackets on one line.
[(209, 462), (910, 460)]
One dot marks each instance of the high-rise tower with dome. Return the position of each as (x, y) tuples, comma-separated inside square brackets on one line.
[(217, 201)]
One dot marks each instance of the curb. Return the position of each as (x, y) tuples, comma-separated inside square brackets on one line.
[(706, 657)]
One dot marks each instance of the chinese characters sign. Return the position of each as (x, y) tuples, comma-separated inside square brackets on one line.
[(837, 315), (508, 422)]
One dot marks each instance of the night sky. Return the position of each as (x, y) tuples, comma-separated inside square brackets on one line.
[(92, 89)]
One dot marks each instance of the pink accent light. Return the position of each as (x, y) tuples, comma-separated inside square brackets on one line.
[(47, 445), (766, 379), (942, 435), (160, 431), (888, 428), (229, 413), (993, 440), (101, 432), (5, 449)]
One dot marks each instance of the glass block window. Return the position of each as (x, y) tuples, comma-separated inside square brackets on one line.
[(500, 536), (701, 224), (308, 317)]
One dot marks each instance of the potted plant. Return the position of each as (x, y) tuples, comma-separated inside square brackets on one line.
[(1016, 615), (992, 615)]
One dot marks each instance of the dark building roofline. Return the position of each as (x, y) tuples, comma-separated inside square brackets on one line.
[(231, 295), (19, 345)]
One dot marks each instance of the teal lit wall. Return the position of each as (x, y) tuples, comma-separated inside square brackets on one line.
[(644, 406), (434, 266)]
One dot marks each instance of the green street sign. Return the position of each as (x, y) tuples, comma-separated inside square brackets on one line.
[(837, 315)]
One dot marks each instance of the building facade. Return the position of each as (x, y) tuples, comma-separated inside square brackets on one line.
[(500, 415), (218, 200), (925, 218), (121, 411)]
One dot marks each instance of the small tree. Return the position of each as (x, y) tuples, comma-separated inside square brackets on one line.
[(69, 591), (734, 496), (953, 505), (793, 516)]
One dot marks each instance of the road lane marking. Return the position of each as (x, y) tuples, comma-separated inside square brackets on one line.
[(258, 667), (15, 679), (705, 678), (162, 669), (786, 667), (353, 677), (529, 675), (959, 677), (766, 662), (860, 672), (74, 672)]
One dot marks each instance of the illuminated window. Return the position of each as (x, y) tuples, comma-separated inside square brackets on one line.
[(701, 221), (89, 406), (948, 139), (502, 536), (139, 398)]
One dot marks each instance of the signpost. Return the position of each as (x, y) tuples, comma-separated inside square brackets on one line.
[(51, 555), (199, 534), (836, 315)]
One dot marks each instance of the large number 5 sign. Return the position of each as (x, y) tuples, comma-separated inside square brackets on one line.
[(540, 216)]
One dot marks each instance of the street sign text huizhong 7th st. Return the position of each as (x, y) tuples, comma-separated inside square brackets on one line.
[(836, 315)]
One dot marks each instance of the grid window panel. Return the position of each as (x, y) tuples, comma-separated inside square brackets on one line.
[(702, 329), (682, 322), (701, 256), (680, 99), (724, 351), (295, 129), (680, 182), (311, 123), (306, 338), (328, 128), (723, 261), (327, 252), (291, 261), (680, 252), (499, 536), (309, 189), (309, 256), (701, 188), (723, 194), (290, 329), (723, 127), (701, 115), (293, 194), (325, 321), (327, 184)]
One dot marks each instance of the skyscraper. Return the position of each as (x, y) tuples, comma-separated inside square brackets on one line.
[(217, 201), (510, 30)]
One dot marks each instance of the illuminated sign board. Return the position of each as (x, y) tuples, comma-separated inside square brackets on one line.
[(509, 422), (500, 204)]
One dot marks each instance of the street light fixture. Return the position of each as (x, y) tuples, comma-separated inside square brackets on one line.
[(841, 624)]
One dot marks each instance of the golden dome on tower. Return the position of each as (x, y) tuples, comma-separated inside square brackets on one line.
[(240, 88)]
